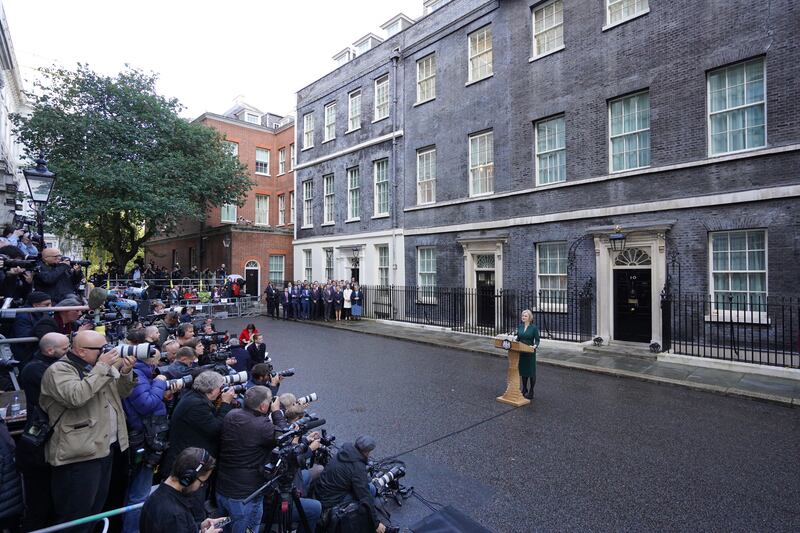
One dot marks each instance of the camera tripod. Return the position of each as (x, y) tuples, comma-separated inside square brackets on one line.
[(284, 496)]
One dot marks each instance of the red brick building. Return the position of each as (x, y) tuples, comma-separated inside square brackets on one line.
[(254, 240)]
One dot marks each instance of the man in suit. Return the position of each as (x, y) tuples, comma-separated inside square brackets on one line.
[(330, 296)]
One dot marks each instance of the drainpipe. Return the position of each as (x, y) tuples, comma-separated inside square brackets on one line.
[(395, 58)]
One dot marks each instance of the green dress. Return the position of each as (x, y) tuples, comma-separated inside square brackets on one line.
[(527, 361)]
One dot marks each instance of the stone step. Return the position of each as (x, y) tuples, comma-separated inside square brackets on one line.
[(642, 352)]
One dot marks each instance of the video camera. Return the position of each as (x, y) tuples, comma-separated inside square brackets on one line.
[(218, 337)]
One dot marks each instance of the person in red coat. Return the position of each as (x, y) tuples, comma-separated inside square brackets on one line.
[(247, 333)]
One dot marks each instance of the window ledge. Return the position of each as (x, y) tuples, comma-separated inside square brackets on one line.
[(426, 203), (261, 225), (423, 102), (632, 169), (281, 173), (227, 222), (538, 184), (738, 317), (351, 131), (379, 119), (623, 21), (352, 220), (307, 227), (384, 215), (303, 149), (473, 82), (327, 224), (328, 140), (263, 174), (734, 152), (482, 195), (551, 52)]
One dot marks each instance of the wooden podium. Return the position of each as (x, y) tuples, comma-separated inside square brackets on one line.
[(512, 395)]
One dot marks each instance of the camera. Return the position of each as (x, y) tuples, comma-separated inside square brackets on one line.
[(303, 400), (289, 372), (186, 380), (234, 379), (9, 263), (83, 263), (238, 389), (384, 480), (140, 351)]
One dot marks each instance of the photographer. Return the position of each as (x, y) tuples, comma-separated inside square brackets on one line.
[(185, 361), (261, 374), (241, 356), (30, 458), (64, 322), (184, 333), (345, 479), (147, 423), (169, 350), (81, 394), (23, 326), (170, 509), (166, 326), (196, 421), (57, 277), (279, 419), (15, 281), (248, 437)]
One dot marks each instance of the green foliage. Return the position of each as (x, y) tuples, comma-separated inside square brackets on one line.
[(127, 165)]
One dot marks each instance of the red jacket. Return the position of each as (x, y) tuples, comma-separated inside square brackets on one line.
[(244, 336)]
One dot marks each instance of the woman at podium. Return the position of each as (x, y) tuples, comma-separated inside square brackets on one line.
[(528, 333)]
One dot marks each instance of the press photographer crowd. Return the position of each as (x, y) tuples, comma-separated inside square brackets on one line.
[(115, 404)]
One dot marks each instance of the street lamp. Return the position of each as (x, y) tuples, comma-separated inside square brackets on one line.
[(40, 183), (617, 239), (355, 259)]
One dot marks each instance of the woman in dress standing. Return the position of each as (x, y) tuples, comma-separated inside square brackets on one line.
[(356, 297), (347, 292), (528, 333)]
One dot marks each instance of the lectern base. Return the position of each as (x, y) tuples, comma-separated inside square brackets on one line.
[(517, 400)]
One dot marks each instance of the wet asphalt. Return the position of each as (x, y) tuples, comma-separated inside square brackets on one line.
[(591, 453)]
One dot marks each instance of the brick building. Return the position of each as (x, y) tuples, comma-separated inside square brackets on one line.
[(254, 240), (511, 144)]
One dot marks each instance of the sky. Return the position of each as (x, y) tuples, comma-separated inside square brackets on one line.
[(206, 52)]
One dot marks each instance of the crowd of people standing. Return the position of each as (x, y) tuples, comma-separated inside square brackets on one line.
[(304, 300)]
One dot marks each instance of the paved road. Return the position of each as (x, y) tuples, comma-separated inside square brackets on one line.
[(592, 452)]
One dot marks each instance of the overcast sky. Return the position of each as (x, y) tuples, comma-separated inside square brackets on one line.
[(206, 52)]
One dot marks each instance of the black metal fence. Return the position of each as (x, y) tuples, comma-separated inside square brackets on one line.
[(765, 332), (559, 315)]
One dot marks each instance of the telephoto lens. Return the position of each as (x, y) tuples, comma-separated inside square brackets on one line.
[(186, 380), (239, 377), (238, 389), (307, 399), (396, 472), (140, 351), (289, 372)]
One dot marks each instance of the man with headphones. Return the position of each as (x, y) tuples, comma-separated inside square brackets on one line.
[(185, 332), (170, 508)]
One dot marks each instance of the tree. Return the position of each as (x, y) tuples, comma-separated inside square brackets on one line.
[(128, 166)]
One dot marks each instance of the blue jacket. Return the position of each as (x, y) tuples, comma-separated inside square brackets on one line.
[(147, 397)]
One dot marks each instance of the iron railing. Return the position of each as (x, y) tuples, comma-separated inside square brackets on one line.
[(559, 315), (765, 332)]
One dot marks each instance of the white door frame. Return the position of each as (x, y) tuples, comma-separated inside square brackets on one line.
[(472, 249), (258, 273)]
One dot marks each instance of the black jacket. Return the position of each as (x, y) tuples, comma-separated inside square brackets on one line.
[(31, 379), (247, 440), (10, 486), (345, 480), (59, 281), (168, 511), (195, 422), (257, 353)]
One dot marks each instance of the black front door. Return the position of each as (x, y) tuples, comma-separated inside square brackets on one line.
[(485, 297), (632, 305), (354, 273), (251, 282)]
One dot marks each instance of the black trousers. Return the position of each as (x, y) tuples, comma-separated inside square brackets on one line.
[(38, 499), (328, 309), (80, 489)]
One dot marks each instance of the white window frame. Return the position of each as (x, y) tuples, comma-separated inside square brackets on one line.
[(328, 199), (381, 108), (353, 194), (554, 303), (481, 166), (281, 209), (426, 293), (428, 173), (383, 268), (292, 210), (264, 209), (637, 132), (292, 156), (354, 111), (231, 147), (281, 161), (308, 270), (641, 7), (264, 168), (728, 315), (226, 209), (273, 278), (538, 14), (308, 203), (729, 110), (473, 55), (380, 187), (329, 130), (252, 118), (328, 263), (548, 152), (426, 79), (308, 131)]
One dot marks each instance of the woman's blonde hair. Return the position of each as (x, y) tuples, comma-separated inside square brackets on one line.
[(530, 313)]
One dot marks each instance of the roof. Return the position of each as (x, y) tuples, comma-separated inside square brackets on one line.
[(367, 37), (399, 16)]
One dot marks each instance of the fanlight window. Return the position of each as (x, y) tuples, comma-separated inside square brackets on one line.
[(251, 264), (485, 261), (632, 257)]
